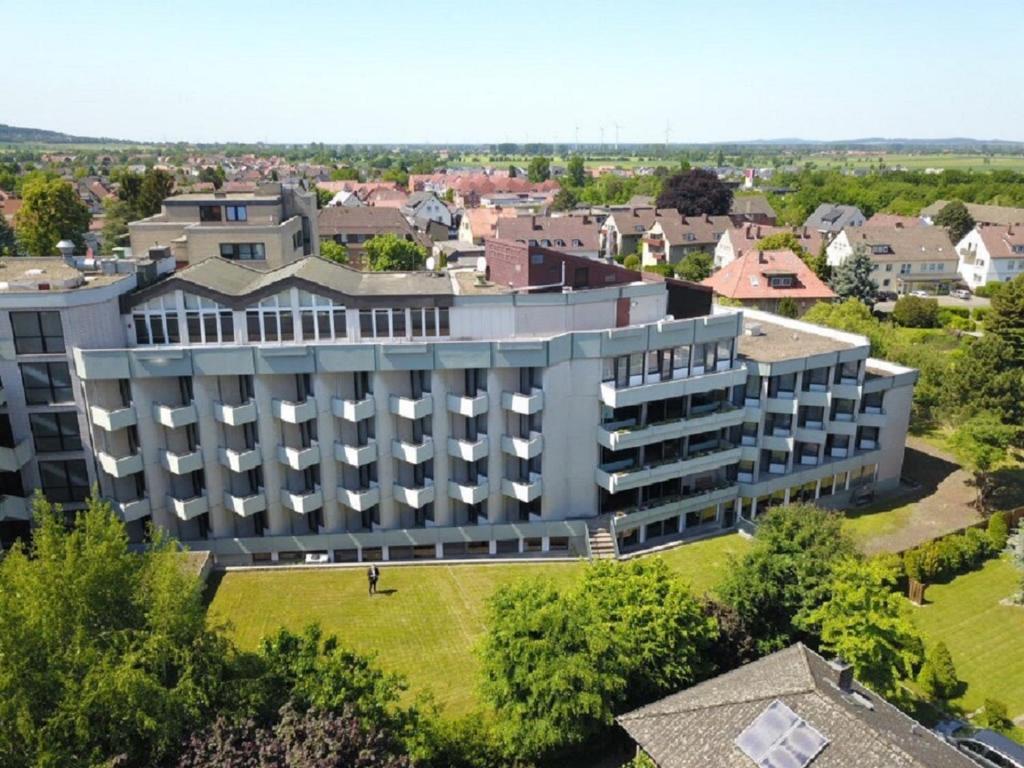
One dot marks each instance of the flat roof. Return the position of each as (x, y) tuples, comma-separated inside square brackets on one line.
[(221, 197), (777, 342), (27, 273), (466, 284)]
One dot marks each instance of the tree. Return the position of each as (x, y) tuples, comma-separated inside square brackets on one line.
[(998, 531), (539, 169), (864, 621), (916, 312), (994, 715), (389, 252), (786, 573), (982, 443), (323, 197), (103, 652), (1005, 319), (956, 219), (116, 217), (345, 173), (333, 251), (8, 243), (695, 266), (852, 278), (565, 199), (513, 172), (213, 174), (788, 241), (787, 307), (575, 172), (157, 185), (696, 192), (51, 211), (938, 674), (632, 261)]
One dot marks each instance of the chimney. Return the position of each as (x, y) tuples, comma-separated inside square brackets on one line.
[(67, 250), (533, 222), (748, 232), (1009, 229), (759, 232), (761, 258), (899, 225), (844, 674)]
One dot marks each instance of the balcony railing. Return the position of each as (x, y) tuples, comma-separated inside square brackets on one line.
[(523, 404), (468, 450), (113, 419), (523, 490), (235, 415), (299, 458), (182, 463), (120, 466), (246, 506), (295, 412), (360, 499), (303, 502), (412, 408), (174, 416), (353, 410), (416, 496), (356, 455), (241, 460), (413, 453), (469, 406), (469, 493), (15, 457), (189, 508), (523, 447)]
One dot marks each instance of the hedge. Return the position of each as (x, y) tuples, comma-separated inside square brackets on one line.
[(955, 554)]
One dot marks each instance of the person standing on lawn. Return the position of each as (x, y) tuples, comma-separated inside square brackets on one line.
[(372, 575)]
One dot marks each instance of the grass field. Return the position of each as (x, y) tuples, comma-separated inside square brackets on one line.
[(915, 162), (986, 639), (430, 618), (871, 522)]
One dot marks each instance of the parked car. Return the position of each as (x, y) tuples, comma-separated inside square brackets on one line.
[(922, 294), (962, 293), (885, 296), (987, 748)]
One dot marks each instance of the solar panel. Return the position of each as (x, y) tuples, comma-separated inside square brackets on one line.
[(779, 738)]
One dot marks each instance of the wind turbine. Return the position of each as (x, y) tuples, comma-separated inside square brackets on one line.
[(617, 126)]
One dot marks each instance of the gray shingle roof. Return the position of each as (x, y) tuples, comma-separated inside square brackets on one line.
[(697, 727), (829, 217)]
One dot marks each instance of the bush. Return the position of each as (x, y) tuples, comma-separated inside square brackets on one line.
[(632, 261), (938, 674), (958, 311), (978, 314), (955, 323), (989, 290), (998, 531), (995, 716), (944, 558), (915, 312)]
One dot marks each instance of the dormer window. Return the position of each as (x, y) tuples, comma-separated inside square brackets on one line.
[(577, 243), (1018, 248), (690, 237), (784, 281), (638, 227), (560, 243)]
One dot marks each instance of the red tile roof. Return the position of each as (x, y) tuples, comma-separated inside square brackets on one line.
[(745, 237), (748, 278), (999, 241)]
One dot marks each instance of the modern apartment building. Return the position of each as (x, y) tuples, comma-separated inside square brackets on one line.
[(268, 228), (318, 409)]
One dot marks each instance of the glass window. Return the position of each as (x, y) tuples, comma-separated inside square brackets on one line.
[(53, 432), (398, 323), (209, 213), (64, 481), (46, 383), (237, 212), (37, 332), (366, 323), (243, 251)]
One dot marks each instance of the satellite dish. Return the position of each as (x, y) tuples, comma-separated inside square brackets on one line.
[(481, 263), (431, 262)]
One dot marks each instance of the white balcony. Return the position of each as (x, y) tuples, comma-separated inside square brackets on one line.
[(745, 477), (295, 412), (843, 416), (868, 445), (241, 460), (523, 490), (872, 419), (525, 405), (15, 508), (469, 493), (416, 497), (174, 416), (188, 509), (181, 463), (120, 467), (113, 419), (468, 406), (245, 506), (628, 435), (813, 424), (302, 502), (468, 450), (523, 447), (838, 453), (616, 477), (809, 460), (360, 500), (235, 415), (776, 469), (412, 408), (637, 392), (353, 410), (748, 440), (356, 455), (135, 509), (414, 453), (14, 458), (299, 458)]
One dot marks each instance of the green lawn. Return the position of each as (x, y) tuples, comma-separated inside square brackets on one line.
[(427, 627), (871, 522), (986, 639)]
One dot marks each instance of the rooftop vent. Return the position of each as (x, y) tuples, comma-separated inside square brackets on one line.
[(844, 674)]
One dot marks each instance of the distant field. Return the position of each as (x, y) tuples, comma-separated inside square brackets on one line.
[(919, 162), (524, 160)]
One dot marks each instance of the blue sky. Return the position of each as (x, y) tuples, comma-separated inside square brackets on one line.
[(445, 71)]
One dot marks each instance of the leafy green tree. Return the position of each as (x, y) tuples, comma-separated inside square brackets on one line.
[(104, 653), (389, 252), (575, 171), (696, 192), (916, 312), (213, 174), (864, 621), (956, 219), (938, 674), (982, 443), (323, 197), (695, 266), (157, 185), (852, 278), (8, 242), (788, 241), (786, 574), (787, 307), (51, 211), (513, 172), (539, 169), (565, 199), (116, 217), (994, 715), (345, 173), (1005, 319), (333, 251), (632, 261), (998, 531)]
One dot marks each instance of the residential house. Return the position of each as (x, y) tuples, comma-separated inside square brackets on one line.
[(623, 230), (790, 708), (671, 238), (893, 220), (830, 219), (579, 235), (386, 198), (424, 207), (353, 227), (991, 253), (904, 259), (762, 279), (739, 240), (479, 224), (273, 226), (753, 208), (347, 199), (982, 214)]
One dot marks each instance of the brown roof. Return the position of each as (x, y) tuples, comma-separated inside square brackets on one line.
[(893, 220), (746, 237), (906, 244), (983, 214), (694, 230), (362, 220), (483, 222), (999, 241), (749, 277), (554, 228), (751, 205)]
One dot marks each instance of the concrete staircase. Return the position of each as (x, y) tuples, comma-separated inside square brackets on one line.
[(602, 543)]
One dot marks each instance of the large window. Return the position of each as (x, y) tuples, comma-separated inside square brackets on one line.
[(37, 332), (55, 432), (236, 212), (271, 320), (156, 321), (243, 251), (321, 317), (64, 481), (210, 213), (207, 321), (46, 383)]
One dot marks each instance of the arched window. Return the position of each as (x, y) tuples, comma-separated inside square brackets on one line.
[(207, 321)]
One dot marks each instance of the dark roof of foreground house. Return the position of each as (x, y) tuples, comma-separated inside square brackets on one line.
[(851, 726), (829, 217), (752, 205)]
